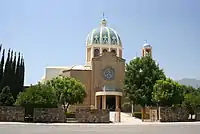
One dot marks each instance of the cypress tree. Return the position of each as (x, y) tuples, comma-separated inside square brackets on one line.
[(22, 73), (6, 74), (0, 66), (12, 76), (12, 72), (2, 69), (0, 48), (18, 74), (14, 62)]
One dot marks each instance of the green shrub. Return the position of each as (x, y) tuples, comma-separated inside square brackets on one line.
[(70, 115), (137, 115), (126, 107), (39, 94)]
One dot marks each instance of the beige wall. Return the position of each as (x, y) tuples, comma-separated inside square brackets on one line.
[(67, 73), (94, 78), (85, 77), (52, 72), (98, 64)]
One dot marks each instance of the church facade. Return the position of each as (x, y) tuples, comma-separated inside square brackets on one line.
[(103, 72)]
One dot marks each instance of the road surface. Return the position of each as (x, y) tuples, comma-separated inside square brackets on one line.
[(100, 129)]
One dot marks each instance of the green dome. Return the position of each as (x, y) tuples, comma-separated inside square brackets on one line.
[(103, 35)]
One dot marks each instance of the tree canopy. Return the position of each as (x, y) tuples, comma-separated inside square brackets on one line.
[(39, 94), (167, 93), (6, 98), (140, 76), (192, 101), (69, 91)]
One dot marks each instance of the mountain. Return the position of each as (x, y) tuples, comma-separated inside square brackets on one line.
[(192, 82)]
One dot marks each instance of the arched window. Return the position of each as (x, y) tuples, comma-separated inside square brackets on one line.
[(96, 39), (105, 39), (114, 40), (96, 52)]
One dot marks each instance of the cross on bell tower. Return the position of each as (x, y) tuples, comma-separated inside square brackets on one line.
[(147, 49)]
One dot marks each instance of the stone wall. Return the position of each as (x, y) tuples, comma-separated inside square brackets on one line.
[(92, 116), (12, 114), (72, 108), (173, 114), (48, 115), (169, 114)]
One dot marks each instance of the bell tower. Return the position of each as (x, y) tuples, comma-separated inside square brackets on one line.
[(147, 49)]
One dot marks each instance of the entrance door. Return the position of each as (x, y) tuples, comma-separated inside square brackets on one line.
[(110, 102)]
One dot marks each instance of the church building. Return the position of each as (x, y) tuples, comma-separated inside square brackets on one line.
[(104, 69)]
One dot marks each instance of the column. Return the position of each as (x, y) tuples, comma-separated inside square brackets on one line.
[(92, 55), (117, 102), (99, 102), (103, 102), (96, 102), (118, 52), (118, 111)]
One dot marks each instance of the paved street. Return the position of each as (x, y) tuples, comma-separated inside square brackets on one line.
[(175, 128)]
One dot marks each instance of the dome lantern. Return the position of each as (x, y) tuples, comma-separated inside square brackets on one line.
[(146, 44), (103, 22)]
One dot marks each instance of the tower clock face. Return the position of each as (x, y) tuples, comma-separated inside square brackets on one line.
[(108, 73)]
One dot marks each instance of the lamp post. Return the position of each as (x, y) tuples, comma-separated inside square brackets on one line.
[(143, 109)]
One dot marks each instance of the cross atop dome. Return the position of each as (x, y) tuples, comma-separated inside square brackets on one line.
[(103, 21)]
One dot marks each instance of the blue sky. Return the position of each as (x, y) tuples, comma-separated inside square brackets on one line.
[(53, 32)]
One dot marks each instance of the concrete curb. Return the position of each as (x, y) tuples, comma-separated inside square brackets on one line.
[(100, 124)]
